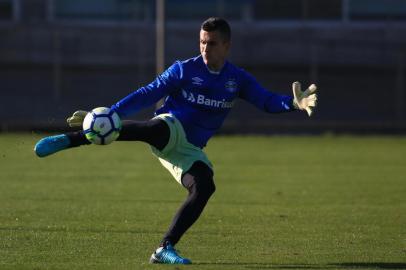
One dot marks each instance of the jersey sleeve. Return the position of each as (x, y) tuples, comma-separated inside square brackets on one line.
[(146, 96), (263, 99)]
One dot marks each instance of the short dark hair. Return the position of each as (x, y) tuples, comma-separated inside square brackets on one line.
[(217, 24)]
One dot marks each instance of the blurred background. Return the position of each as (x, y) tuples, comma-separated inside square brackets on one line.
[(57, 56)]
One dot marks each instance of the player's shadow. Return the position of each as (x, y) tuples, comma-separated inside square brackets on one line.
[(347, 265)]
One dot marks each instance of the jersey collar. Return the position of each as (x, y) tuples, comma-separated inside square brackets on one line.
[(216, 72)]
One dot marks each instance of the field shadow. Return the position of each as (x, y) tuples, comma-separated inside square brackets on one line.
[(80, 230), (265, 265), (346, 265), (376, 265)]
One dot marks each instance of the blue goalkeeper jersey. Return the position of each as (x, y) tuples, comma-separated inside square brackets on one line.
[(201, 99)]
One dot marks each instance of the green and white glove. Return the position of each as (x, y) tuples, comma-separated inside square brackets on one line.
[(76, 120), (306, 100)]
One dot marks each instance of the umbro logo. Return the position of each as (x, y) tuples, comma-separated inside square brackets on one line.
[(197, 81)]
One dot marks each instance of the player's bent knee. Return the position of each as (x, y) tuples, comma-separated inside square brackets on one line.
[(199, 180), (209, 187), (199, 186), (203, 188)]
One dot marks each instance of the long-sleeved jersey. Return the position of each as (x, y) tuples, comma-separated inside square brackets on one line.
[(201, 99)]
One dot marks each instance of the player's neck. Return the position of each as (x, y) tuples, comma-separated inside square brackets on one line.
[(215, 69)]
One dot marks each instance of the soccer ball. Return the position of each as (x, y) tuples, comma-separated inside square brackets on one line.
[(102, 126)]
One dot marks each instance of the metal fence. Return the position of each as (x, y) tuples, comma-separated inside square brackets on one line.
[(49, 68)]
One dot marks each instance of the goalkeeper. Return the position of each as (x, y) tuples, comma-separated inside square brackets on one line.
[(199, 93)]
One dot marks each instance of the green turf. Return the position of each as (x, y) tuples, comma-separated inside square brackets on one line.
[(281, 203)]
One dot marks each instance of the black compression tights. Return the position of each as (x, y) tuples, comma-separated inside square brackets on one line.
[(155, 132), (198, 180)]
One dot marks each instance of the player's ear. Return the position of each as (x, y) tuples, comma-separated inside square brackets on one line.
[(227, 44)]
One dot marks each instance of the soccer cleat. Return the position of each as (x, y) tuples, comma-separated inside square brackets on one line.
[(50, 145), (168, 255)]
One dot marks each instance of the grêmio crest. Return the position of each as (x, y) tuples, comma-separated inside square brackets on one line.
[(231, 85)]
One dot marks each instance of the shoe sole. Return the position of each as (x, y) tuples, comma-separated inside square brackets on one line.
[(155, 260)]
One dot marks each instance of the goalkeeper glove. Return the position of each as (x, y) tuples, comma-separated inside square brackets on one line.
[(305, 100), (76, 120)]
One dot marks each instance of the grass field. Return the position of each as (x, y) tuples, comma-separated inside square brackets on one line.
[(281, 203)]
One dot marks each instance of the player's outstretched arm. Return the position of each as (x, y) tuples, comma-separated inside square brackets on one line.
[(76, 120), (306, 100)]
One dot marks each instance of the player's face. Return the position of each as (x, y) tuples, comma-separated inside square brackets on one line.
[(214, 49)]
